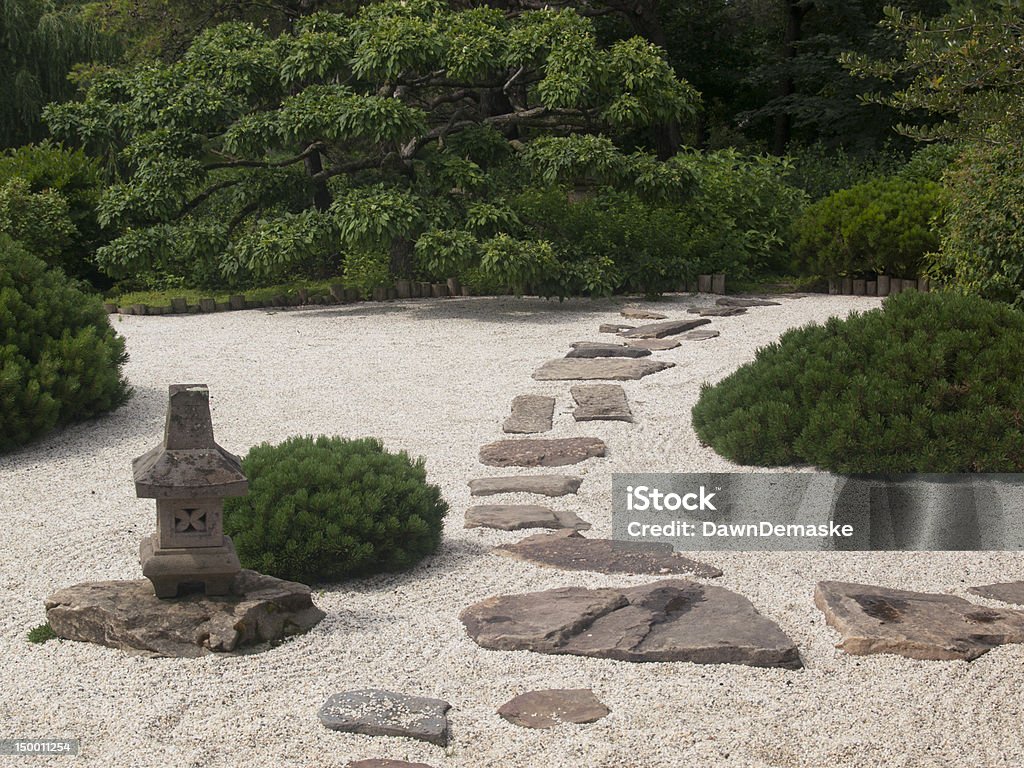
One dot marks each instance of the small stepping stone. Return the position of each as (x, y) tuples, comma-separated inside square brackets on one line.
[(655, 345), (593, 349), (609, 368), (545, 485), (736, 301), (383, 713), (571, 551), (668, 620), (378, 763), (515, 517), (600, 402), (550, 708), (717, 311), (918, 625), (613, 327), (541, 453), (641, 314), (661, 330), (1007, 592), (530, 414), (700, 335)]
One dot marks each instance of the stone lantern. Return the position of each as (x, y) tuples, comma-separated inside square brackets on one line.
[(189, 475)]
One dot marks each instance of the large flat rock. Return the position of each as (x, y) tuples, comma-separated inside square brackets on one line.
[(633, 313), (600, 402), (596, 349), (613, 327), (573, 552), (515, 517), (700, 334), (530, 414), (534, 452), (918, 625), (608, 368), (654, 345), (717, 311), (545, 485), (383, 713), (668, 620), (1006, 592), (663, 329), (745, 301), (552, 707), (127, 615)]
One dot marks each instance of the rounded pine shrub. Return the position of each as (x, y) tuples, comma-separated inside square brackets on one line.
[(325, 508), (928, 383), (60, 360)]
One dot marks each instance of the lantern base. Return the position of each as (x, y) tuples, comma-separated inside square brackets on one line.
[(171, 568)]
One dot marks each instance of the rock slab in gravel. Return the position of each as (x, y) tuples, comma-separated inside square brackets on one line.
[(700, 335), (613, 327), (1007, 592), (545, 485), (377, 763), (572, 551), (530, 414), (127, 615), (382, 713), (717, 311), (600, 402), (541, 453), (610, 368), (737, 301), (661, 330), (655, 345), (606, 350), (550, 708), (669, 620), (918, 625), (515, 517), (632, 313)]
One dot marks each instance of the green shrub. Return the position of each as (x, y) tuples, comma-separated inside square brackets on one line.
[(928, 383), (60, 361), (983, 241), (882, 226), (820, 170), (322, 509), (41, 634)]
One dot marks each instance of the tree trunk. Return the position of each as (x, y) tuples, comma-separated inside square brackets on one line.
[(795, 10), (401, 257), (321, 194)]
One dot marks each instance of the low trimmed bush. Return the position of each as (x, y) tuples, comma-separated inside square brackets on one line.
[(326, 508), (928, 383), (60, 360)]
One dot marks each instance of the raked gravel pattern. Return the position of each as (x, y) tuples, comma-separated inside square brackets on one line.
[(435, 378)]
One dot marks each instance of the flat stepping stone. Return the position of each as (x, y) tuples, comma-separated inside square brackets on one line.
[(600, 402), (613, 327), (609, 368), (663, 329), (918, 625), (596, 349), (374, 712), (668, 620), (515, 517), (530, 414), (541, 453), (700, 335), (553, 707), (633, 313), (655, 345), (545, 485), (1007, 592), (737, 301), (378, 763), (571, 551), (717, 311)]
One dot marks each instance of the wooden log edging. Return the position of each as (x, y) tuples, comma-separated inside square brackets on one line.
[(883, 285)]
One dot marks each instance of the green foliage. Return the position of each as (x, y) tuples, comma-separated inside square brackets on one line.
[(38, 221), (326, 508), (820, 171), (882, 226), (928, 383), (41, 634), (983, 240), (60, 360)]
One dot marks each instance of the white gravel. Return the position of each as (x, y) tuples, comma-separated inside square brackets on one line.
[(436, 378)]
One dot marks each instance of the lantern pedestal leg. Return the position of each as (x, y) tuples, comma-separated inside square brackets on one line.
[(213, 567)]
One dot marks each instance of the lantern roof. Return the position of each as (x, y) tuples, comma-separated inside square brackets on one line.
[(188, 463)]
